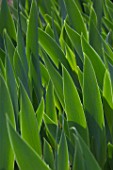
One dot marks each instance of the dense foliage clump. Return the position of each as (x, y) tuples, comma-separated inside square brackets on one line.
[(56, 85)]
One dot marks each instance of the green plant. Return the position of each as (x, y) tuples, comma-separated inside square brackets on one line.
[(56, 85)]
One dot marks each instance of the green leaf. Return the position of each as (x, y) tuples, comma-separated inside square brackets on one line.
[(80, 77), (6, 20), (71, 58), (63, 157), (32, 33), (91, 93), (94, 112), (40, 113), (109, 6), (89, 159), (55, 52), (29, 160), (48, 151), (50, 103), (110, 150), (12, 86), (35, 77), (9, 46), (94, 36), (23, 22), (75, 39), (49, 20), (2, 68), (21, 47), (107, 49), (76, 17), (20, 71), (97, 63), (28, 122), (51, 130), (49, 30), (44, 74), (108, 23), (73, 105), (78, 160), (98, 6), (6, 108), (107, 89), (32, 49), (56, 79)]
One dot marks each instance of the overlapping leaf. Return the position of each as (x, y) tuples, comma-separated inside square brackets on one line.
[(26, 157), (6, 108)]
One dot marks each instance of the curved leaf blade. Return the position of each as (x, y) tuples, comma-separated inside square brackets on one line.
[(29, 160)]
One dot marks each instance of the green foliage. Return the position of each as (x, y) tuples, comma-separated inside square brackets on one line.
[(56, 85)]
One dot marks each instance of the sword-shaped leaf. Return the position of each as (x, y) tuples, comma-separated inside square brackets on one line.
[(6, 20), (76, 17), (28, 122), (26, 157), (6, 153), (63, 156)]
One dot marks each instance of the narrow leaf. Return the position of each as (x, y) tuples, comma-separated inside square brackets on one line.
[(29, 160), (94, 112), (40, 113), (48, 151), (7, 157), (63, 156), (89, 159), (96, 61), (107, 89), (6, 20), (56, 79), (50, 102), (75, 39), (12, 86), (55, 52), (92, 98), (28, 122), (76, 17), (73, 105)]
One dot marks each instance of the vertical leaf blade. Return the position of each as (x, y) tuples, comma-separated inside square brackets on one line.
[(29, 122), (63, 157), (5, 15), (7, 157), (92, 98), (29, 160), (76, 17)]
